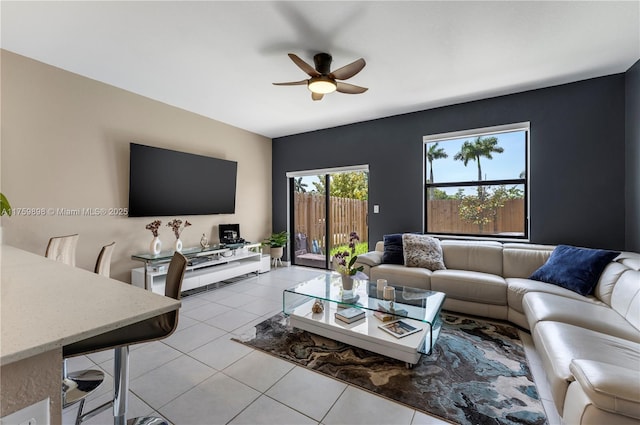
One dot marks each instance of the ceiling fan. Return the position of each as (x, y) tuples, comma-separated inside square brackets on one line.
[(322, 80)]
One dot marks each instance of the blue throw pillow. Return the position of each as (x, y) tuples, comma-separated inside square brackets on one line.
[(393, 253), (577, 269)]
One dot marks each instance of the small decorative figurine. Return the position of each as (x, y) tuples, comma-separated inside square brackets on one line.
[(318, 307), (204, 242)]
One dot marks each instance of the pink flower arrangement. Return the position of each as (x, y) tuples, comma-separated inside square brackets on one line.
[(154, 226), (175, 226)]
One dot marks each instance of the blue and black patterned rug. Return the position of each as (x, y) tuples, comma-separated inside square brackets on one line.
[(477, 373)]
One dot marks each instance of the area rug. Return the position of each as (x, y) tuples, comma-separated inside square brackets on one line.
[(476, 374)]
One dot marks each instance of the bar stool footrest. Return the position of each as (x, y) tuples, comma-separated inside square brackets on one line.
[(147, 420)]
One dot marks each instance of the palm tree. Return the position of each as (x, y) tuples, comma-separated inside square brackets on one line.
[(472, 151), (299, 185), (433, 153)]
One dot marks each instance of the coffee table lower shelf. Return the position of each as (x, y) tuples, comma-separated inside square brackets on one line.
[(365, 332)]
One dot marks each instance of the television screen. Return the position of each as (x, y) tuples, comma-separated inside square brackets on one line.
[(164, 182)]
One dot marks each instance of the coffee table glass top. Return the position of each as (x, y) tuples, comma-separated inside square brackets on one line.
[(412, 303)]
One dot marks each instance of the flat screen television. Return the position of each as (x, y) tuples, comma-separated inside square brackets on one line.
[(164, 182)]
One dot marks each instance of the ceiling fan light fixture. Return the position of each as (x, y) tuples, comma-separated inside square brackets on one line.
[(321, 85)]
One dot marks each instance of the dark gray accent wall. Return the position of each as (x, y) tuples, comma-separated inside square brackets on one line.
[(577, 160), (632, 166)]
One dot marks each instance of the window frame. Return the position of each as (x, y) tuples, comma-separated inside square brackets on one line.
[(525, 181)]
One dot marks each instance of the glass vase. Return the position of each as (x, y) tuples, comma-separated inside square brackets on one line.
[(347, 287)]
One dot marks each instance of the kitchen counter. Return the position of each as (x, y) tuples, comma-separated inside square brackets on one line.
[(45, 305)]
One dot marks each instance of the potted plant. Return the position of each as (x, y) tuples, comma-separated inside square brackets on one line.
[(5, 207), (345, 262), (276, 241)]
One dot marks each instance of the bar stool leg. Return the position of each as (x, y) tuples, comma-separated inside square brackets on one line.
[(121, 385), (121, 392)]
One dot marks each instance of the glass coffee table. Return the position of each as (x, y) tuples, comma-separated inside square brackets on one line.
[(417, 308)]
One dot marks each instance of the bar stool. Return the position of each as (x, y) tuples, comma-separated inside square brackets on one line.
[(152, 329), (76, 386)]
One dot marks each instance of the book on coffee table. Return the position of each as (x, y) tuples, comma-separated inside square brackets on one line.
[(399, 329), (350, 315), (392, 310), (385, 317)]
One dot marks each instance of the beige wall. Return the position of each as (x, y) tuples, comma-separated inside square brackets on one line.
[(65, 145)]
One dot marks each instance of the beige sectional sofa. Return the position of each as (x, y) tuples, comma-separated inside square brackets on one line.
[(589, 345)]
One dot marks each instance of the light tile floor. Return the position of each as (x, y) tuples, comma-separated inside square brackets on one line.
[(199, 376)]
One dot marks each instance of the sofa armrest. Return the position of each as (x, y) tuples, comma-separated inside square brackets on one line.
[(610, 387), (371, 259)]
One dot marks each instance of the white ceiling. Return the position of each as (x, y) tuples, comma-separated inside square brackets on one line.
[(218, 59)]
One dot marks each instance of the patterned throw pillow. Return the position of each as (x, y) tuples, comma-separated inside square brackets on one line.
[(422, 251)]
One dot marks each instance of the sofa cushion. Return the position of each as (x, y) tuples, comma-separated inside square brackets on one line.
[(559, 343), (629, 259), (401, 275), (478, 256), (517, 288), (580, 409), (613, 388), (520, 259), (368, 261), (371, 259), (393, 253), (422, 251), (470, 286), (607, 282), (577, 269), (594, 315), (625, 298)]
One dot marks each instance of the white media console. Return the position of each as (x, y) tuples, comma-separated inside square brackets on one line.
[(205, 266)]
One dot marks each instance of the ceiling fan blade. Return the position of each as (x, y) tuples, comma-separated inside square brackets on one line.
[(304, 66), (348, 71), (349, 88), (292, 83), (316, 96)]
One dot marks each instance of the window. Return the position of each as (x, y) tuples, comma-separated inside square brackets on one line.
[(476, 182)]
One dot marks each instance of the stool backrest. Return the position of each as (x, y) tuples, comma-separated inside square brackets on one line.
[(175, 276), (103, 263), (173, 286), (63, 249)]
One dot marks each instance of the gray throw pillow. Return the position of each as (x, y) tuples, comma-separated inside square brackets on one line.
[(422, 251)]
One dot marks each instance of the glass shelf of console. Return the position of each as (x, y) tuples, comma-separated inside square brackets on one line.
[(410, 303), (165, 256)]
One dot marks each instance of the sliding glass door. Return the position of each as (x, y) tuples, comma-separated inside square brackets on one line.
[(309, 221), (325, 208)]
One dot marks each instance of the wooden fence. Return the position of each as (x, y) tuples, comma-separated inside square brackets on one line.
[(443, 217), (346, 216)]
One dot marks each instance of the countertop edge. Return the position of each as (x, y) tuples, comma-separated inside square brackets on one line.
[(43, 348)]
